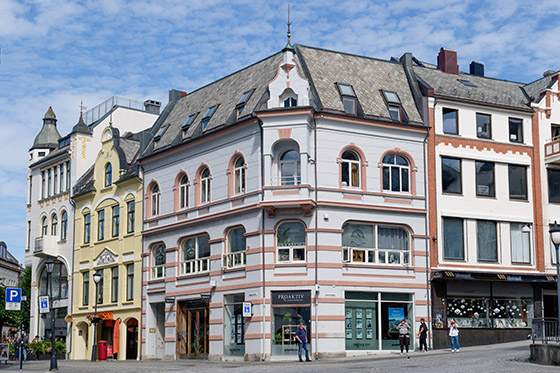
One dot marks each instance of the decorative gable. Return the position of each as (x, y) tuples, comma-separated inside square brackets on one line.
[(106, 257), (289, 85)]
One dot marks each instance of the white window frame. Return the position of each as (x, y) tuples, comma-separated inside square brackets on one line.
[(54, 224), (158, 271), (239, 176), (233, 259), (155, 194), (205, 186), (184, 192), (400, 167), (291, 247), (350, 163), (198, 264)]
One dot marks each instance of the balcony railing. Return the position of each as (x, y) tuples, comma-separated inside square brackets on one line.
[(544, 331), (195, 266), (286, 180), (233, 260), (552, 147), (375, 256)]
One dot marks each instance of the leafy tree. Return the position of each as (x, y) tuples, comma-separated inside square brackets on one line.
[(13, 318)]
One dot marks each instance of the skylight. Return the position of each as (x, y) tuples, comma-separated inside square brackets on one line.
[(346, 90), (244, 98), (189, 120), (161, 131), (210, 112), (391, 97), (466, 82)]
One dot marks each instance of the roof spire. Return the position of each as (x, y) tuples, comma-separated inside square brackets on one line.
[(289, 24)]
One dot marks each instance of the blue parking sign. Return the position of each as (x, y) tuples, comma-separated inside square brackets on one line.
[(44, 304), (13, 299)]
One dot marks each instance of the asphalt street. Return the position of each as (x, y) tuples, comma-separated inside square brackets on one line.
[(507, 357)]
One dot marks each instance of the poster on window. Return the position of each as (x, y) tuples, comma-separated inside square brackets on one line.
[(359, 334), (348, 333), (396, 315), (348, 313), (369, 334), (359, 324)]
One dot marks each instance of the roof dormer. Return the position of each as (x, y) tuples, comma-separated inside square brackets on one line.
[(288, 82)]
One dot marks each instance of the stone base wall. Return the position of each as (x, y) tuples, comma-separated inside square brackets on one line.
[(545, 354), (480, 336)]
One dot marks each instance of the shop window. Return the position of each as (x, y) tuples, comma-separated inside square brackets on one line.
[(485, 179), (158, 261), (450, 122), (374, 244), (289, 309), (487, 240), (468, 312), (517, 182), (396, 171), (234, 338), (451, 181), (511, 312), (515, 130), (236, 246), (155, 194), (453, 241), (64, 225), (350, 169), (483, 126), (520, 244), (239, 176), (195, 254), (361, 321), (290, 168), (553, 185), (54, 225), (108, 174), (290, 242)]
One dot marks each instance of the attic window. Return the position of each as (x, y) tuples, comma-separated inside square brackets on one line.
[(160, 132), (391, 97), (63, 142), (466, 82), (348, 96), (187, 124), (393, 105), (206, 118), (241, 104)]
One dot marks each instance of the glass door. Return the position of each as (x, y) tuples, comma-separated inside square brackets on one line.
[(197, 320)]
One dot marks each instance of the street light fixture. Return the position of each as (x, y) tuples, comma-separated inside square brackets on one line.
[(555, 237), (49, 263), (96, 279)]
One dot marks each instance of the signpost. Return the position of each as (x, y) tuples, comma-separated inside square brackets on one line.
[(13, 299), (13, 303), (44, 304)]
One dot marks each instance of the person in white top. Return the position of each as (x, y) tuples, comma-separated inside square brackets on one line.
[(454, 335)]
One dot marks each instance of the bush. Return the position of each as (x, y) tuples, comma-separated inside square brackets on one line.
[(59, 347), (41, 348)]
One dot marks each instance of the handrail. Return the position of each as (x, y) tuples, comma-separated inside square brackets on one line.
[(545, 330)]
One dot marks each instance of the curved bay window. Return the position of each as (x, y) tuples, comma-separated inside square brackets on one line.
[(108, 174), (205, 186), (158, 261), (290, 242), (350, 169), (396, 171), (239, 176), (195, 254), (184, 192), (371, 243), (290, 168), (236, 246), (54, 225)]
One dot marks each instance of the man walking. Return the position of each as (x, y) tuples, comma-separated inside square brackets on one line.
[(301, 337), (423, 333)]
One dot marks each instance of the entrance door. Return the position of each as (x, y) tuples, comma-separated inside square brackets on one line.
[(193, 333)]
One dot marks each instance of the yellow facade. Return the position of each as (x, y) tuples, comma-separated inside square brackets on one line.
[(114, 247)]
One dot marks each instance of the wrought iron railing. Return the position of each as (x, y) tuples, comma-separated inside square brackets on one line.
[(545, 330)]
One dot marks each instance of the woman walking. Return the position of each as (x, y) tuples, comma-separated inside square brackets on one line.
[(454, 335), (404, 336)]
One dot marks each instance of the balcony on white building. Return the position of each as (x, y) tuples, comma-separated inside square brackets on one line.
[(552, 150), (46, 246)]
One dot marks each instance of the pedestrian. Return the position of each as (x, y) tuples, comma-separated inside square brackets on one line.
[(404, 336), (301, 337), (454, 335), (24, 346), (36, 339), (16, 348), (423, 334)]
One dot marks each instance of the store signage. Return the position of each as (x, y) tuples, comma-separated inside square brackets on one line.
[(291, 297), (247, 312)]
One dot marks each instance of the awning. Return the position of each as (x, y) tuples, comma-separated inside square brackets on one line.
[(116, 336)]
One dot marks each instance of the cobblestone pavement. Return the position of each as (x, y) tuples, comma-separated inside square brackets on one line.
[(507, 357)]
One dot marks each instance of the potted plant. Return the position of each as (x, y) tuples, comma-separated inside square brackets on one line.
[(94, 318)]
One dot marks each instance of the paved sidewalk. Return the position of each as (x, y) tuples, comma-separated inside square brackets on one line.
[(506, 357)]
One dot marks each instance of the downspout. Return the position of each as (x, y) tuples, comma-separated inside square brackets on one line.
[(427, 235), (263, 219), (69, 347), (142, 274), (316, 244)]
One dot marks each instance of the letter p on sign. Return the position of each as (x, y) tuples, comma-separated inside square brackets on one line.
[(13, 299)]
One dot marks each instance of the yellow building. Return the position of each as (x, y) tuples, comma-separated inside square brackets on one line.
[(108, 241)]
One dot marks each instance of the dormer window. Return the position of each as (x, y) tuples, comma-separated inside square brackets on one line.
[(241, 104), (160, 132), (187, 124), (393, 105), (289, 98), (349, 99), (207, 116)]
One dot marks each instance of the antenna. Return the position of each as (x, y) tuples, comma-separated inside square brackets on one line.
[(289, 24), (82, 107)]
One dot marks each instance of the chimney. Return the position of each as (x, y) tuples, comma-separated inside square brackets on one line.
[(175, 95), (548, 73), (447, 61), (152, 106), (477, 68)]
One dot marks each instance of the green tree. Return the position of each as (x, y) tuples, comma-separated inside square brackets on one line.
[(13, 318)]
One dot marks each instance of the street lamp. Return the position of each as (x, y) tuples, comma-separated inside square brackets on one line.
[(555, 237), (96, 279), (49, 263)]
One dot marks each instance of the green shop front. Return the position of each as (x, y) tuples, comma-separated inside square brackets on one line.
[(371, 319), (289, 309)]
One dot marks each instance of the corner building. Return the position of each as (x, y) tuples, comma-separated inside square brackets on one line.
[(296, 185)]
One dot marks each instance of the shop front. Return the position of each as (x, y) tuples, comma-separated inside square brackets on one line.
[(371, 319), (289, 309), (234, 333), (193, 329)]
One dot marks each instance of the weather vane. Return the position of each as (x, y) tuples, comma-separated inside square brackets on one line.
[(289, 24)]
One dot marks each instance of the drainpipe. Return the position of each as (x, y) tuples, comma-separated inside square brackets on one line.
[(427, 239), (316, 245), (71, 297), (263, 219)]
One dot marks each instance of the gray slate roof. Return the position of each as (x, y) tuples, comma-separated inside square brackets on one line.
[(487, 91), (534, 89), (47, 137)]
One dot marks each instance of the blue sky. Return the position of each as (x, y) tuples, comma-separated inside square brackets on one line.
[(61, 52)]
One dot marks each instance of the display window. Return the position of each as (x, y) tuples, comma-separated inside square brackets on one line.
[(488, 312), (234, 336), (289, 309)]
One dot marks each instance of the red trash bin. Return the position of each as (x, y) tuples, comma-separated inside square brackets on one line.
[(102, 350)]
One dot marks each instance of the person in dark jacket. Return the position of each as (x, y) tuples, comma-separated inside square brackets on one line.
[(301, 337), (423, 334)]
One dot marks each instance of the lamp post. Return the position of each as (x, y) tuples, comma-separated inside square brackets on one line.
[(96, 279), (49, 263), (555, 237)]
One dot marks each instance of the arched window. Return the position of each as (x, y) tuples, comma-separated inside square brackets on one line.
[(288, 98), (396, 172), (108, 174), (54, 225), (59, 281), (290, 168), (205, 186), (239, 176), (236, 246), (350, 169), (184, 192), (158, 261), (375, 244), (195, 254), (63, 225), (155, 193), (44, 226), (290, 242)]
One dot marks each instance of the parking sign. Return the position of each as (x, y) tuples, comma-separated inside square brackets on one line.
[(13, 299), (44, 304), (247, 312)]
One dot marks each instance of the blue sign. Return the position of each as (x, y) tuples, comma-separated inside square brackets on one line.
[(44, 304), (247, 309), (13, 299)]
